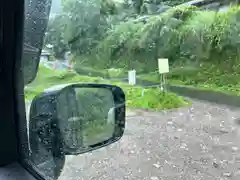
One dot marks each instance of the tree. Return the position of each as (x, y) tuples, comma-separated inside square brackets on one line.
[(87, 23), (55, 35)]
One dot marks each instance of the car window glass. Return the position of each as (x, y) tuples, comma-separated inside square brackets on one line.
[(178, 64)]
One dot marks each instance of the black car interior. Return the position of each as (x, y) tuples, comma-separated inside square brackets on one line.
[(11, 92)]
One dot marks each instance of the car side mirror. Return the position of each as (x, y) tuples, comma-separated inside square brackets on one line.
[(83, 117)]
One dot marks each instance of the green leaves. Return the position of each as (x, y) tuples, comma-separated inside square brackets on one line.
[(55, 35), (81, 25), (113, 34), (133, 41)]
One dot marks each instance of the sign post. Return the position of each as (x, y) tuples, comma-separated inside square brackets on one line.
[(163, 67), (132, 77)]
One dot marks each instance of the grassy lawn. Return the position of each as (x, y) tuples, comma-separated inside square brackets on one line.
[(153, 98), (105, 73), (206, 77), (47, 78)]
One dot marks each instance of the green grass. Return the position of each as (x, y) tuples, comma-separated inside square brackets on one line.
[(105, 73), (47, 78), (153, 98), (219, 78), (88, 71)]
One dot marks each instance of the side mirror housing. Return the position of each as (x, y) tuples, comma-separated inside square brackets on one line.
[(82, 117)]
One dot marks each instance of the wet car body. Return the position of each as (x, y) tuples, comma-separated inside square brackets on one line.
[(35, 24)]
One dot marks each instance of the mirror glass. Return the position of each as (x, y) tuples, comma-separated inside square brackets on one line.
[(86, 116)]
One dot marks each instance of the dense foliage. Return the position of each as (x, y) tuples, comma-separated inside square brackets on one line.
[(120, 34), (83, 24)]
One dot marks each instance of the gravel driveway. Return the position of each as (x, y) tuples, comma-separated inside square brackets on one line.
[(196, 143), (200, 142)]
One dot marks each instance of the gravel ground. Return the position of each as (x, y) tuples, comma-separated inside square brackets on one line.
[(195, 143)]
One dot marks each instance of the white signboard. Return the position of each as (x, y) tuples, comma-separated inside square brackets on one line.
[(132, 77), (163, 66), (111, 115)]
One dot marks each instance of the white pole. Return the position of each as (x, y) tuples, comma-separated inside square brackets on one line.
[(164, 82), (161, 79), (134, 77)]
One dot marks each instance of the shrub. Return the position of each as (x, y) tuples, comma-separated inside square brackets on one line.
[(181, 34), (132, 44)]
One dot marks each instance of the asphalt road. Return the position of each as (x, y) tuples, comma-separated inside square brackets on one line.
[(196, 143)]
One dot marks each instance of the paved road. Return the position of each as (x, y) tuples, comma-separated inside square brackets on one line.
[(200, 142)]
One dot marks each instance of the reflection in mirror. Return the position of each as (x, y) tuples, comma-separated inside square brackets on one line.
[(86, 116), (96, 110)]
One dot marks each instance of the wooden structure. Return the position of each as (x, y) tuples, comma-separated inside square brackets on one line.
[(216, 5)]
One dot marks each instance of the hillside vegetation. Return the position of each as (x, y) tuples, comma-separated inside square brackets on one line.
[(209, 45), (203, 45)]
